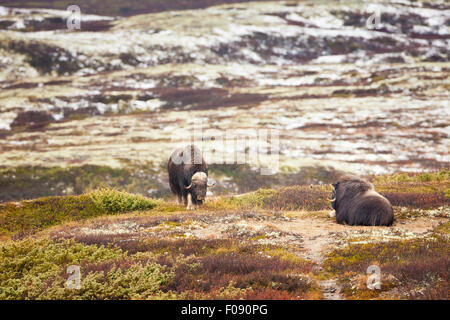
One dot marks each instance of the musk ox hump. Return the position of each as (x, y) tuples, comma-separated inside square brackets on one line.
[(199, 177), (371, 209)]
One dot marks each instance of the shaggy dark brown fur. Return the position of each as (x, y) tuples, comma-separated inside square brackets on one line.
[(357, 203), (185, 169)]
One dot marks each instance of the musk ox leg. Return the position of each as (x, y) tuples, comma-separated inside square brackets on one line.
[(190, 205), (341, 218), (183, 195), (179, 199)]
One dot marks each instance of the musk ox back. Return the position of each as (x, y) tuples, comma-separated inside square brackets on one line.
[(188, 176), (357, 203)]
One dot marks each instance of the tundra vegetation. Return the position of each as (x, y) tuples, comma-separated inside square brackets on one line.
[(268, 244), (86, 131)]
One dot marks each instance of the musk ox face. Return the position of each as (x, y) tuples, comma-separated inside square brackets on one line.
[(198, 187), (357, 203)]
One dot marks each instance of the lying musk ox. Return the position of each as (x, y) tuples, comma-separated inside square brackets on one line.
[(188, 176), (356, 203)]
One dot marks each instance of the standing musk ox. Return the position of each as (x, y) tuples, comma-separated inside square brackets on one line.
[(188, 176), (357, 203)]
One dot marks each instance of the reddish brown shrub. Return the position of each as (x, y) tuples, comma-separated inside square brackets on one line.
[(269, 294), (440, 291), (212, 272), (417, 200), (426, 269), (243, 264)]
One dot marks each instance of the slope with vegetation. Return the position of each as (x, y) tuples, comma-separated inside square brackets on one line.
[(89, 118), (268, 244)]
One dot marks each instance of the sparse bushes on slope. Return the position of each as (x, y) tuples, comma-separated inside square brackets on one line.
[(27, 267), (440, 176), (244, 270), (419, 268), (210, 269), (417, 200), (139, 281), (36, 269), (214, 269), (420, 190), (287, 198), (248, 179), (28, 216), (29, 182)]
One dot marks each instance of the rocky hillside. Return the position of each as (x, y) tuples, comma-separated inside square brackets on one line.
[(111, 95)]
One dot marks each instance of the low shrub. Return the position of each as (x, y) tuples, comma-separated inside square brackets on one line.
[(244, 270), (36, 269), (136, 282), (413, 264), (439, 176), (417, 200), (312, 198), (189, 269), (113, 201), (27, 268), (29, 216), (416, 190)]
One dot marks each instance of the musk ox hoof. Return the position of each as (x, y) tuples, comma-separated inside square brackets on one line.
[(332, 214), (191, 208)]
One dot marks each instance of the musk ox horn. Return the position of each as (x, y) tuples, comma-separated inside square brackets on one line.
[(331, 200), (189, 186)]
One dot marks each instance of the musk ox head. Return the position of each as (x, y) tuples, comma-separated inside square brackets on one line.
[(357, 203), (198, 186)]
